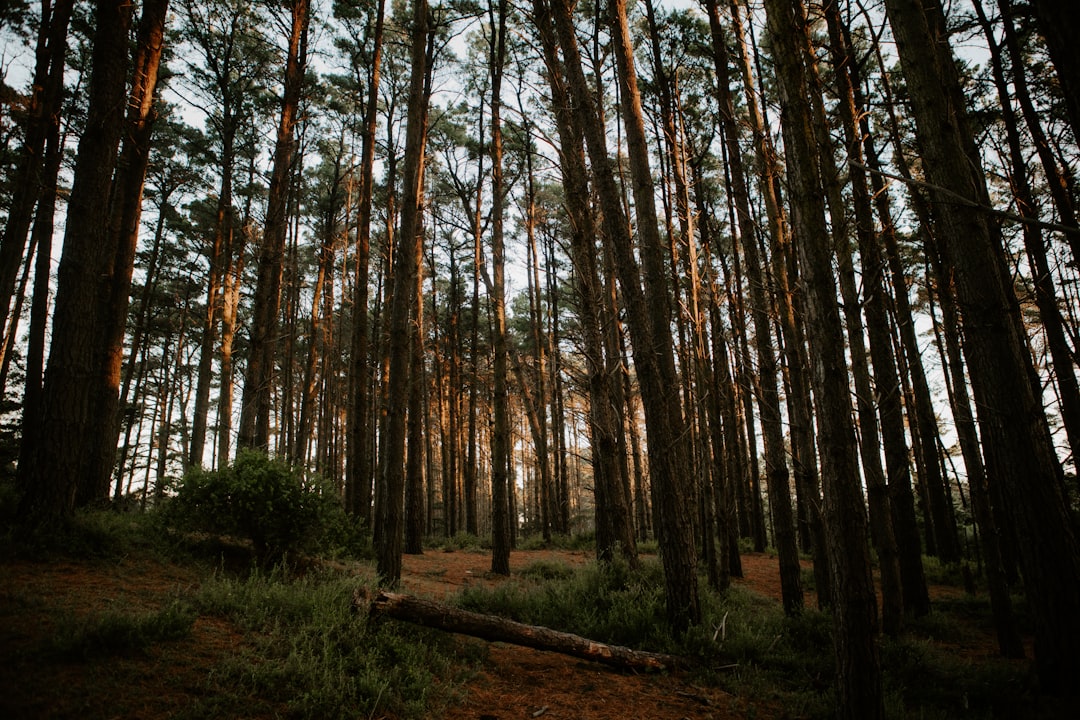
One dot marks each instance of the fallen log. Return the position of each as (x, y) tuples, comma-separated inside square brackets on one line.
[(490, 627)]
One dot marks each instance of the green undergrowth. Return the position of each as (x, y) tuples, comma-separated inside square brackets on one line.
[(744, 644), (117, 631), (309, 652), (283, 641), (747, 646)]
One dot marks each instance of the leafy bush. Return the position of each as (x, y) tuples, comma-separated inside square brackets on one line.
[(258, 498)]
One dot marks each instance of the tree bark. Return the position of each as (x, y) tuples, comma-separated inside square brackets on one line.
[(859, 684), (124, 235), (1058, 25), (66, 419), (31, 175), (776, 469), (496, 629), (358, 465), (259, 378), (500, 433), (1020, 455), (389, 510)]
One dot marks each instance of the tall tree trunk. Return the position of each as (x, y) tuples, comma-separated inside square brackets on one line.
[(887, 376), (123, 236), (776, 469), (859, 685), (649, 312), (500, 433), (389, 523), (1058, 25), (43, 115), (39, 308), (613, 522), (1020, 456), (259, 378), (874, 305), (1055, 178), (1046, 298), (66, 420), (358, 466), (414, 461)]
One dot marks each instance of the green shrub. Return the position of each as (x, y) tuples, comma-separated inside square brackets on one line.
[(116, 632), (309, 653), (260, 499)]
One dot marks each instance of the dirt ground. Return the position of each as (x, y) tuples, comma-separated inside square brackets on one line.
[(514, 683), (520, 682)]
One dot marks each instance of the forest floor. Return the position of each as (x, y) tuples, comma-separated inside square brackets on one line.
[(161, 680)]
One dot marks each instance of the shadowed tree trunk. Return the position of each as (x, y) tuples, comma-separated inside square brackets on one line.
[(358, 466), (859, 684), (32, 177), (776, 469), (614, 525), (1019, 453), (66, 418), (1057, 21), (389, 510), (500, 432), (877, 326)]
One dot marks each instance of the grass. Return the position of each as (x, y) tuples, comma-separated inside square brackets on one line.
[(230, 639), (318, 659), (747, 646), (118, 632), (234, 639)]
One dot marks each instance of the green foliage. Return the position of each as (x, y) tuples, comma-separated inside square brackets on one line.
[(608, 602), (546, 570), (928, 683), (939, 573), (464, 541), (573, 543), (91, 533), (116, 632), (263, 500), (319, 659)]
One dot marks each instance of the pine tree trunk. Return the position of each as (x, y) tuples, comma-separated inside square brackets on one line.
[(124, 234), (1057, 21), (31, 178), (500, 439), (1020, 456), (263, 341), (358, 465), (66, 420), (859, 685), (776, 469), (408, 254)]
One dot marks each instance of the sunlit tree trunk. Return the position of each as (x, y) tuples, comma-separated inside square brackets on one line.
[(123, 239), (263, 342), (389, 510), (66, 419)]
